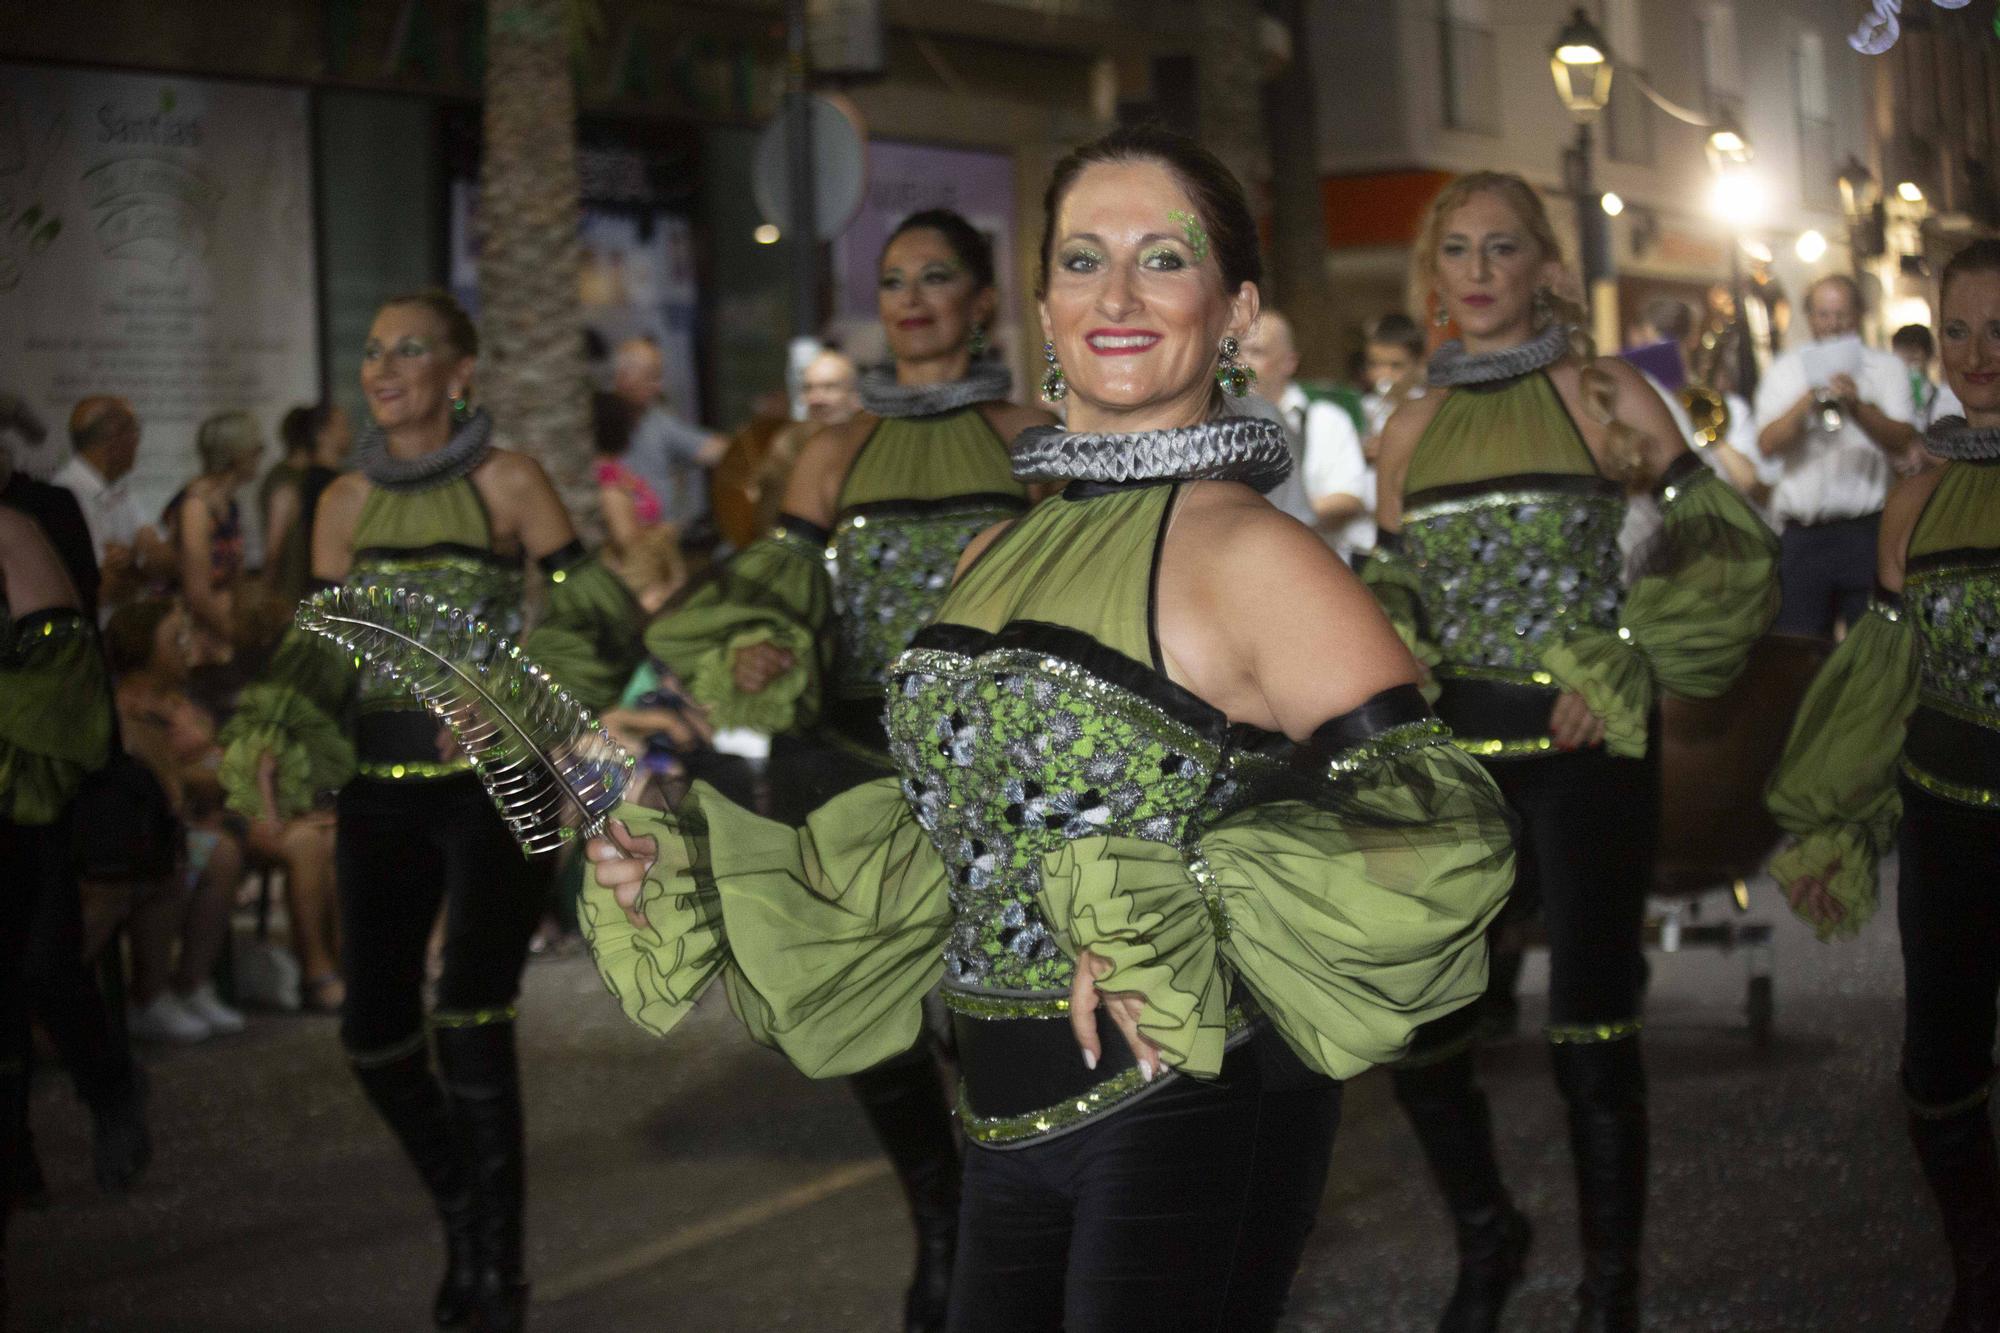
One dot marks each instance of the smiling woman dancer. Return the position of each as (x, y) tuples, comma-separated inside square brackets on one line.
[(1900, 739), (433, 508), (1502, 493), (1162, 763), (796, 634)]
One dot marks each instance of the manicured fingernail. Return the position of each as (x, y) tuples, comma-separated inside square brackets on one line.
[(1090, 1059), (1145, 1071)]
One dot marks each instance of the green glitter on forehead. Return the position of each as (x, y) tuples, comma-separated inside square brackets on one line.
[(1191, 227)]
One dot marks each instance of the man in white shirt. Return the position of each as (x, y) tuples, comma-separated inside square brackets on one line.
[(1339, 484), (1830, 449), (670, 455), (104, 439)]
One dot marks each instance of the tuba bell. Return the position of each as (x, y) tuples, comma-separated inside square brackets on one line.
[(1706, 410)]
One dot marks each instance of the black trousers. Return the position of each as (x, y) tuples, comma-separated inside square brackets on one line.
[(1948, 911), (1590, 827), (1826, 571), (1188, 1210), (401, 849)]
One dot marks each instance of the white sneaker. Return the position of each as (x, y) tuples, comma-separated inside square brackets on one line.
[(206, 1005), (166, 1019)]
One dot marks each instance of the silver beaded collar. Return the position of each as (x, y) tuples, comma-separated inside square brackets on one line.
[(1246, 449), (468, 446), (1451, 364), (984, 382), (1952, 437)]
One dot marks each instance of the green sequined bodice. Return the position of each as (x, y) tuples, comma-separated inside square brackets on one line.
[(1511, 529), (1952, 591), (438, 542), (1033, 713), (921, 489)]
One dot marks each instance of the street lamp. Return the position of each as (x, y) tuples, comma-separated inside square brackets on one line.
[(1737, 198), (1580, 63)]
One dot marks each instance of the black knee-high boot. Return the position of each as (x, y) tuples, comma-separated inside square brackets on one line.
[(406, 1094), (1449, 1114), (482, 1082), (1959, 1161), (1604, 1085), (904, 1099)]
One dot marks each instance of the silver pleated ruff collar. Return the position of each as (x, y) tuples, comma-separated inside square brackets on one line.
[(468, 446), (1246, 449), (1953, 437), (1452, 365), (985, 382)]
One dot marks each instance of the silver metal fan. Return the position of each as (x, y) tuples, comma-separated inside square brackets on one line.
[(547, 762)]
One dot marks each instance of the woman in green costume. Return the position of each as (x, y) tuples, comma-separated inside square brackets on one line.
[(433, 508), (1503, 490), (1899, 741), (795, 636), (1170, 821), (55, 727)]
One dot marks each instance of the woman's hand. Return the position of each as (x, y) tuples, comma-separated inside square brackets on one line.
[(622, 864), (757, 665), (1811, 902), (1124, 1008), (1572, 723)]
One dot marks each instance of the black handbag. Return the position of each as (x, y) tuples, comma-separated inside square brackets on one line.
[(124, 824)]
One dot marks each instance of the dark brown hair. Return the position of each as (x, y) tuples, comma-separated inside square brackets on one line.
[(971, 245), (1215, 192), (129, 634), (1979, 257), (459, 330)]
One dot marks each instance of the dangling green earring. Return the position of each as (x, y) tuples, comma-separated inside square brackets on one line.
[(1054, 387), (461, 408), (1234, 377), (976, 345)]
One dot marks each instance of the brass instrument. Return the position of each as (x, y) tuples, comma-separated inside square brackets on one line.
[(1707, 411)]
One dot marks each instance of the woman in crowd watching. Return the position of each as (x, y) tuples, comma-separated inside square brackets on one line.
[(205, 527), (316, 441)]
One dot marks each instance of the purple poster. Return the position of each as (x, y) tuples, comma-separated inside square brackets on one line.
[(904, 178)]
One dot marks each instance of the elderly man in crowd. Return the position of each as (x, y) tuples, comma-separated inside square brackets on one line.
[(1830, 439), (104, 443), (1338, 484), (831, 389)]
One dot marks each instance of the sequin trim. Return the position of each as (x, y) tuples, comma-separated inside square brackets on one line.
[(1978, 717), (1505, 675), (413, 770), (1505, 749), (1892, 614), (1394, 743), (1982, 797), (1467, 504), (1073, 1113), (798, 544), (1203, 876), (973, 1004), (1589, 1034), (1674, 492), (473, 1018)]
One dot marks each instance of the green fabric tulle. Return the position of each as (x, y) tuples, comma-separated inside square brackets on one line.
[(1835, 784), (827, 936), (1400, 594), (313, 756), (1352, 919), (55, 713), (293, 714), (1689, 620), (589, 635), (773, 591)]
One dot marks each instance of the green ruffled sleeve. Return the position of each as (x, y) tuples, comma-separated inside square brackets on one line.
[(1390, 576), (589, 635), (295, 714), (827, 937), (774, 591), (1835, 785), (1708, 594), (1354, 913), (55, 713)]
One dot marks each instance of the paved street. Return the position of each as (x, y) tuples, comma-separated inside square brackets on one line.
[(700, 1185)]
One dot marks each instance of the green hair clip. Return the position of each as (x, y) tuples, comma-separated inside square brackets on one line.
[(1191, 228)]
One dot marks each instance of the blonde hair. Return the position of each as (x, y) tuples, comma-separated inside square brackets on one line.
[(1600, 391), (224, 438)]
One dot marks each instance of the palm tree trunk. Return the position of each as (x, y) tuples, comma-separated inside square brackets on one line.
[(1298, 220), (532, 325)]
